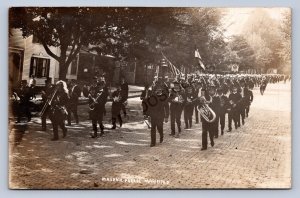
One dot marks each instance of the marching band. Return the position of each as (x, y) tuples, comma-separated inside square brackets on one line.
[(206, 97)]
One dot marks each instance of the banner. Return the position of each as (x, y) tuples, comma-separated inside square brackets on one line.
[(198, 57)]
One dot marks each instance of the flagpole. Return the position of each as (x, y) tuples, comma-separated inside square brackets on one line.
[(177, 71)]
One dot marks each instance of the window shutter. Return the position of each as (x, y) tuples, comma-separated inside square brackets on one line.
[(31, 67)]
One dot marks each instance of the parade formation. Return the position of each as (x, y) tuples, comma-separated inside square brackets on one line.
[(206, 97), (149, 97)]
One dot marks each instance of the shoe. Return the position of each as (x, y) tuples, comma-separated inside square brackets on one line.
[(64, 133), (94, 135), (243, 122), (152, 145), (229, 130), (101, 134), (121, 124), (177, 135), (171, 134), (202, 149), (54, 139), (212, 144), (216, 137), (113, 127), (161, 139), (222, 132)]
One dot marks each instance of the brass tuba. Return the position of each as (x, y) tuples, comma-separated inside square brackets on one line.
[(206, 112)]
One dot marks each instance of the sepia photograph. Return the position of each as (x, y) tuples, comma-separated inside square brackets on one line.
[(149, 98)]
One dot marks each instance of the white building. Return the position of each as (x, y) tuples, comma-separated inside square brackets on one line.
[(28, 57)]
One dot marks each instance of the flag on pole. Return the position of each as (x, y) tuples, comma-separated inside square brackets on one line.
[(197, 55), (173, 68)]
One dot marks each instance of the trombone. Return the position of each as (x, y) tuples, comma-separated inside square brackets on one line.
[(48, 102)]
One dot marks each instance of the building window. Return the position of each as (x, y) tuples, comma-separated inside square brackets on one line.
[(39, 67), (74, 67)]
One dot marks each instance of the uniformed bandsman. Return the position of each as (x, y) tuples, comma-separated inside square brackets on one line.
[(177, 101)]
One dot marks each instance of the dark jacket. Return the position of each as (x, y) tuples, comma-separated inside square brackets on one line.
[(75, 93), (116, 105), (124, 91), (235, 98), (157, 106), (177, 99), (224, 104), (58, 110), (101, 97), (248, 96)]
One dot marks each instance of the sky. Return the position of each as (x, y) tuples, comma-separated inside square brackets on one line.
[(236, 17)]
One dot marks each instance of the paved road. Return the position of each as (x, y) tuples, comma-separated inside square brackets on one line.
[(258, 155)]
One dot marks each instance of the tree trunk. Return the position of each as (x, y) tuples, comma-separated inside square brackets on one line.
[(63, 69)]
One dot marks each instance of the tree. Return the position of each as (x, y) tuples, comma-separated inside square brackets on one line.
[(69, 29), (244, 53), (263, 34), (140, 33), (178, 32), (286, 45)]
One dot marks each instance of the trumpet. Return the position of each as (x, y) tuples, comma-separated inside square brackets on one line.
[(206, 112)]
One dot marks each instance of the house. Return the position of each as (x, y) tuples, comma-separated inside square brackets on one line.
[(28, 57)]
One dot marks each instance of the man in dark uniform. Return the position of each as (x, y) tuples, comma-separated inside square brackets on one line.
[(124, 95), (46, 94), (58, 112), (248, 98), (146, 93), (241, 104), (215, 106), (74, 93), (176, 106), (24, 93), (263, 85), (97, 100), (208, 127), (189, 106), (233, 113), (158, 110), (197, 89), (116, 107), (222, 110)]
